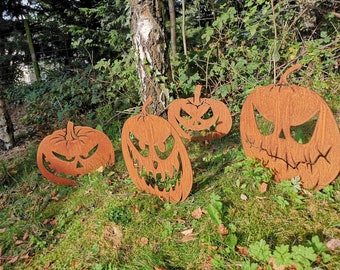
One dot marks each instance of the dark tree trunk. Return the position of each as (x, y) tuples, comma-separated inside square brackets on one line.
[(148, 35)]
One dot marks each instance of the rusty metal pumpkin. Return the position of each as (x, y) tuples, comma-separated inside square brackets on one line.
[(72, 152), (199, 119), (156, 157), (291, 111)]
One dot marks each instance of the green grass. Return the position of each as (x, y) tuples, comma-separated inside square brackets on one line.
[(107, 224)]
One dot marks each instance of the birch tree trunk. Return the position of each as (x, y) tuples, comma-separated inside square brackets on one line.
[(6, 126), (148, 36)]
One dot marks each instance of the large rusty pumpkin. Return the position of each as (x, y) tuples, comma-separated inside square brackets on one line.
[(200, 119), (286, 148), (75, 151), (156, 157)]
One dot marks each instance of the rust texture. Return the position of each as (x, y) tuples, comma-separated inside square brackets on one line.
[(77, 150), (287, 106), (200, 119), (155, 156)]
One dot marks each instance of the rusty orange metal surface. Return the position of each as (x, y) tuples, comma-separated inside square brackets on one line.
[(303, 139), (156, 157), (200, 119), (72, 152)]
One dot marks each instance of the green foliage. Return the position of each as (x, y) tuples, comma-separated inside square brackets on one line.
[(119, 215), (106, 223), (215, 209), (299, 256), (289, 193)]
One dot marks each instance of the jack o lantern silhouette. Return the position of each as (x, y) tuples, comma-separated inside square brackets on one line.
[(285, 148), (199, 119), (73, 152), (155, 156)]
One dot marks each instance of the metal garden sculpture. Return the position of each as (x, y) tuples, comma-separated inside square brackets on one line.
[(199, 119), (156, 157), (72, 152), (303, 138)]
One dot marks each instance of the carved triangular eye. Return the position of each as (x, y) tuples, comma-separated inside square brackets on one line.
[(264, 126), (304, 133), (144, 152), (62, 157), (169, 145), (90, 153), (184, 114), (208, 114)]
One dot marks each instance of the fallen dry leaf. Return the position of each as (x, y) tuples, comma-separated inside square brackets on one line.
[(159, 268), (242, 250), (207, 265), (13, 259), (188, 235), (61, 235), (197, 213), (25, 237), (144, 241), (274, 266), (46, 221), (333, 244), (135, 209), (188, 231), (243, 197), (2, 230), (25, 256), (47, 266), (80, 206), (222, 229), (263, 187), (188, 238), (18, 242)]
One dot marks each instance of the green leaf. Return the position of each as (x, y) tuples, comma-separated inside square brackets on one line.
[(231, 240), (215, 213), (304, 256), (249, 266), (317, 245), (260, 250), (282, 256)]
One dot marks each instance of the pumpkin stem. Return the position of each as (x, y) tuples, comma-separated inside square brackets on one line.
[(70, 135), (283, 79), (146, 103), (197, 94)]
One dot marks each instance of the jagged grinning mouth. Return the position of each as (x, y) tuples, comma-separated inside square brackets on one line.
[(162, 183), (46, 164), (307, 161)]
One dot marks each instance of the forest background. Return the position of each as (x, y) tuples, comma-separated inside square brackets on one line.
[(87, 68)]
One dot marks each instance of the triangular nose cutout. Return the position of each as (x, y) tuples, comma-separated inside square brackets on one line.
[(79, 165), (282, 135)]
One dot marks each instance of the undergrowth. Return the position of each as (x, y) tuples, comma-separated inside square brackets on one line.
[(225, 223)]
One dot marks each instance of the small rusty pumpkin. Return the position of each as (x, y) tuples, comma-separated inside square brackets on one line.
[(156, 157), (200, 119), (304, 138), (72, 152)]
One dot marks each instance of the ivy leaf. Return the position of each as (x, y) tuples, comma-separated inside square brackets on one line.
[(304, 256), (260, 250), (282, 256)]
